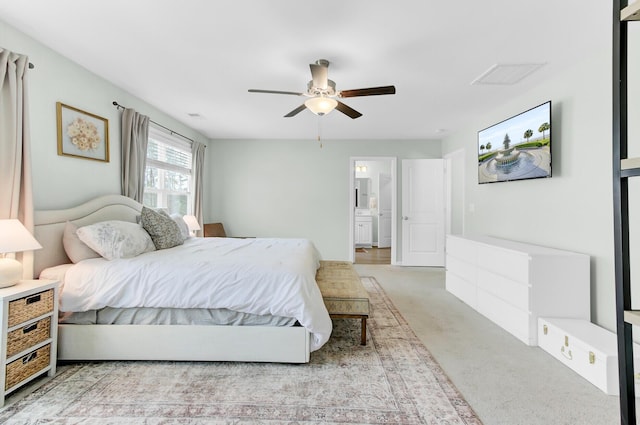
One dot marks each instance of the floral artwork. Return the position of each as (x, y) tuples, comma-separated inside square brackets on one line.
[(84, 134), (81, 134)]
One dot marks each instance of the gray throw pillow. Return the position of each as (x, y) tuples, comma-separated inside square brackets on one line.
[(164, 231)]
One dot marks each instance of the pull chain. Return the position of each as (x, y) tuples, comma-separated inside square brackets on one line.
[(319, 130)]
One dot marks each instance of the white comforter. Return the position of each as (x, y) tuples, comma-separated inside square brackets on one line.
[(259, 276)]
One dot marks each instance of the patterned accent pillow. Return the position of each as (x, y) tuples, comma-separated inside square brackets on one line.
[(76, 249), (164, 232), (116, 239)]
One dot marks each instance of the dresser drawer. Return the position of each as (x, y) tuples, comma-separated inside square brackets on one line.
[(461, 288), (27, 366), (513, 292), (462, 248), (30, 307), (27, 336), (464, 269), (505, 315), (511, 264)]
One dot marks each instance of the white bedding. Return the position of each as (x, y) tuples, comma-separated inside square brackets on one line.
[(259, 276)]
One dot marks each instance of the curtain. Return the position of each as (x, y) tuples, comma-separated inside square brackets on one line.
[(197, 171), (16, 194), (135, 137)]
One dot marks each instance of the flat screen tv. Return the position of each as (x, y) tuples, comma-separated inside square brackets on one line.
[(517, 148)]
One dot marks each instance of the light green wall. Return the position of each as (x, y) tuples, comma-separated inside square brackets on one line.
[(296, 188), (293, 188), (60, 181), (573, 210)]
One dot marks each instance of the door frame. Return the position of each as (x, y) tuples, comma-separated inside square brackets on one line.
[(394, 203), (455, 163)]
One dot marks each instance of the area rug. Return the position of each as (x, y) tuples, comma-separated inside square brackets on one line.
[(392, 380)]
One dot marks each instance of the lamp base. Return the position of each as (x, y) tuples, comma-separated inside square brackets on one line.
[(10, 272)]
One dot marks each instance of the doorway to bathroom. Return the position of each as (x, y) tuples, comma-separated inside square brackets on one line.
[(372, 210)]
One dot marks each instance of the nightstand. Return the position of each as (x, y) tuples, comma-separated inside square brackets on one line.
[(29, 325)]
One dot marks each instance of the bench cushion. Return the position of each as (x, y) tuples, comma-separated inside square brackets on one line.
[(342, 289)]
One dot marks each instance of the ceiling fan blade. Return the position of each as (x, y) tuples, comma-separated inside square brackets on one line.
[(275, 92), (372, 91), (296, 111), (347, 110), (320, 75)]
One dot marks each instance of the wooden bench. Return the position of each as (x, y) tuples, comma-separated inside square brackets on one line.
[(343, 293)]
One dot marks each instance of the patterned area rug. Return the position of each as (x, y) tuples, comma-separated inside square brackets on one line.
[(391, 380)]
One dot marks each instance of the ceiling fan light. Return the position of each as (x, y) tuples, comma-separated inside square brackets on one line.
[(321, 105)]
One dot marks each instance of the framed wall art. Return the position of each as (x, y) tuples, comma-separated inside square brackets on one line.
[(82, 134)]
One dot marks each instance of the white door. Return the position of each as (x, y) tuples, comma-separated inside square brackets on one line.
[(384, 211), (423, 217)]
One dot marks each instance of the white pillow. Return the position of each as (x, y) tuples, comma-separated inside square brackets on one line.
[(116, 239), (76, 249), (184, 229)]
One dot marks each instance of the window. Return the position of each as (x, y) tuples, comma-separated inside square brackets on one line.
[(167, 182)]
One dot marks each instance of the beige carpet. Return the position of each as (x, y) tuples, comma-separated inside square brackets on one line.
[(391, 380)]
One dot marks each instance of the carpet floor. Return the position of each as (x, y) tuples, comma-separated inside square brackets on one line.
[(392, 380)]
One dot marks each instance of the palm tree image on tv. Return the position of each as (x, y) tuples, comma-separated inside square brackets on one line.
[(545, 126), (520, 154), (527, 134)]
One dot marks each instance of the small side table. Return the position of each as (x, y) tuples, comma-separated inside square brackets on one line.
[(29, 333)]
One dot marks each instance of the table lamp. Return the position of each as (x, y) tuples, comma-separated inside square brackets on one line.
[(14, 237), (192, 223)]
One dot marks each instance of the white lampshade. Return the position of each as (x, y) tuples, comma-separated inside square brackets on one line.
[(192, 222), (321, 105), (13, 238)]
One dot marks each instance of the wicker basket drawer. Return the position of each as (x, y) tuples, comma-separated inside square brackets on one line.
[(26, 308), (27, 365), (22, 338)]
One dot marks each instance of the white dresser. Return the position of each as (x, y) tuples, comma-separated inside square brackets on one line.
[(514, 283)]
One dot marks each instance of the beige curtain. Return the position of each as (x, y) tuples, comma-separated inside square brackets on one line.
[(16, 194), (135, 137), (197, 150)]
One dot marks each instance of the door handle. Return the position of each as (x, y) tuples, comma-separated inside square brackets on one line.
[(405, 218)]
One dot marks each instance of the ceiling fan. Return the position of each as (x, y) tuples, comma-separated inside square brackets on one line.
[(322, 94)]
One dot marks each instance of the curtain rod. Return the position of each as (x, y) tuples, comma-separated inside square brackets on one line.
[(159, 125)]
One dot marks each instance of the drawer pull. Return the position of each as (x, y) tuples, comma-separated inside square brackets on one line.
[(545, 329), (592, 357), (567, 355), (29, 357), (34, 299), (29, 328)]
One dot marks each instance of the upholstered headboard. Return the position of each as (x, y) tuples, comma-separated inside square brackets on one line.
[(49, 225)]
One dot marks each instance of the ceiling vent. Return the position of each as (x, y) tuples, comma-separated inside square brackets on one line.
[(506, 74)]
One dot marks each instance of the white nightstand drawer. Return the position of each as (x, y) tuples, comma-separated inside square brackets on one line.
[(28, 336), (30, 307), (26, 366)]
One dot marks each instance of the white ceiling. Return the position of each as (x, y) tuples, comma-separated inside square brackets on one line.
[(201, 56)]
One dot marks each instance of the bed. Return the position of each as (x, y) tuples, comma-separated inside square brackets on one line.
[(203, 275)]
